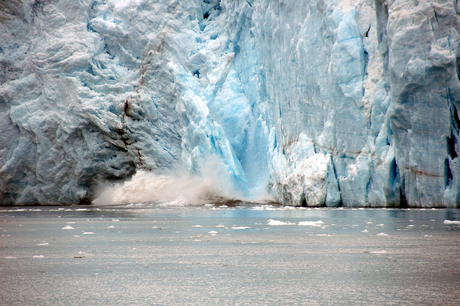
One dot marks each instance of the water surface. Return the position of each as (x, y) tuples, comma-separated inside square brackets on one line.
[(246, 255)]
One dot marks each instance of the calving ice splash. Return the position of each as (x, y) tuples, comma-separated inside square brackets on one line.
[(315, 103), (149, 187), (212, 186)]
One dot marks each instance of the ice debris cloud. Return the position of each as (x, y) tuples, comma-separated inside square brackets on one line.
[(335, 102)]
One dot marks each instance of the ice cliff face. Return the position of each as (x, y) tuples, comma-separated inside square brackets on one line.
[(331, 102)]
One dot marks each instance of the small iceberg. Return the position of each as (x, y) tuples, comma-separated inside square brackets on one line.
[(278, 222)]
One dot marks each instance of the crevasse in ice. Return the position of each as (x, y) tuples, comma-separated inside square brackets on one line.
[(336, 102)]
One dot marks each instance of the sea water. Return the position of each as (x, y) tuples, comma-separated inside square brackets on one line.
[(247, 254)]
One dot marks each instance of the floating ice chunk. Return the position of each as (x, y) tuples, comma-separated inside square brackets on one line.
[(43, 243), (68, 227), (197, 225), (111, 226), (81, 209), (428, 236), (379, 252), (208, 205), (275, 222), (212, 232), (278, 222), (88, 233), (76, 236), (382, 234), (365, 231), (223, 206), (240, 227), (10, 257), (220, 225), (39, 256), (449, 222), (115, 220), (311, 223)]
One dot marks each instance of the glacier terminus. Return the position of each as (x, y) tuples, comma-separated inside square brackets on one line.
[(310, 103)]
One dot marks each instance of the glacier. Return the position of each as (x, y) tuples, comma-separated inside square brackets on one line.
[(314, 103)]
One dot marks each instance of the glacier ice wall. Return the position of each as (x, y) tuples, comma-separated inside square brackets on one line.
[(322, 102)]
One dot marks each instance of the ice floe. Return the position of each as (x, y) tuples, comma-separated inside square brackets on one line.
[(449, 222)]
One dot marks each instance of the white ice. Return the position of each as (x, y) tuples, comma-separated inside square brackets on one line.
[(449, 222), (278, 222)]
